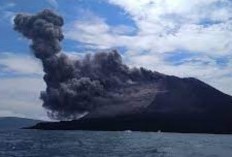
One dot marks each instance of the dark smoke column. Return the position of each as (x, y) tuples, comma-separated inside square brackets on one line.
[(44, 29)]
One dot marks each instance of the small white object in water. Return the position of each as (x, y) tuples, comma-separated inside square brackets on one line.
[(128, 131)]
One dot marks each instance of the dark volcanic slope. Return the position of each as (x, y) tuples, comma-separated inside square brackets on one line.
[(191, 96), (175, 105)]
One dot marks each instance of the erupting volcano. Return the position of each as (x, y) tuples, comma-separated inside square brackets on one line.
[(105, 94)]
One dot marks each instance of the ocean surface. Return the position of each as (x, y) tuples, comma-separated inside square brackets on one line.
[(35, 143)]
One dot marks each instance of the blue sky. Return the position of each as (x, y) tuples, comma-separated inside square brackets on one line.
[(176, 37)]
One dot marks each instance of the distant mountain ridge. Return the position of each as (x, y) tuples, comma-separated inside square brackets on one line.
[(16, 122)]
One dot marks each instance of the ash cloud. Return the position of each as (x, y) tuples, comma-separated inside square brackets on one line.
[(78, 86)]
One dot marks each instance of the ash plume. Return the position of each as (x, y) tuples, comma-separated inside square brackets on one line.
[(80, 86)]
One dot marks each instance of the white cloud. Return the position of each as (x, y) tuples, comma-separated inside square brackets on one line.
[(53, 3), (192, 11), (97, 34), (7, 113), (122, 30), (19, 64), (179, 24), (163, 26), (20, 96), (94, 32)]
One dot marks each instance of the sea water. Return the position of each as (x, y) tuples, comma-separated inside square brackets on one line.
[(37, 143)]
